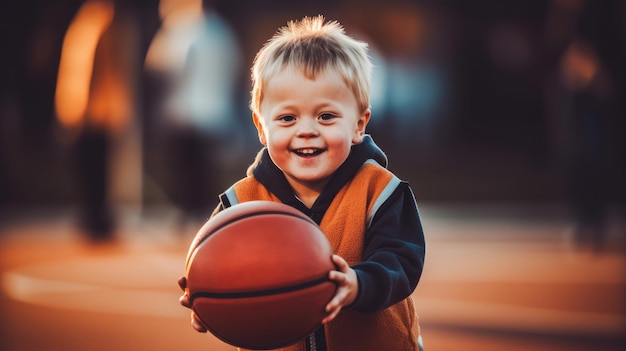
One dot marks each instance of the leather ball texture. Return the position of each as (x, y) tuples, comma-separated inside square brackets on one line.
[(257, 275)]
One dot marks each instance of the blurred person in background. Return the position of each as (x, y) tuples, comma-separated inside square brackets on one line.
[(95, 103), (194, 62), (586, 86), (409, 80), (581, 103)]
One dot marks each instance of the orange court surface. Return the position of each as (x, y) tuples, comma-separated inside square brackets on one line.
[(494, 280)]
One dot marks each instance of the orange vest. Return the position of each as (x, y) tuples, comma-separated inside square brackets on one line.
[(345, 223)]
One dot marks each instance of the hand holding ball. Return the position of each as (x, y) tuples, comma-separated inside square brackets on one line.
[(257, 275)]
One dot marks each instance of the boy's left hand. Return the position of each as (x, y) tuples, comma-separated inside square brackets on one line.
[(347, 288), (185, 301)]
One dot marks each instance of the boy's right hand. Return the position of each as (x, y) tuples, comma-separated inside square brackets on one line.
[(185, 301)]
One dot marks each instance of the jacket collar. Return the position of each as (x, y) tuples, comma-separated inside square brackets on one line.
[(266, 172)]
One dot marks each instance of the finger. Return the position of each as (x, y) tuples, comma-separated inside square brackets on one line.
[(338, 277), (341, 264), (332, 305), (196, 324), (185, 301), (331, 315), (182, 282), (337, 301)]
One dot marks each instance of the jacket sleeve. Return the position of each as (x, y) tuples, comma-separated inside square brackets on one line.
[(394, 253)]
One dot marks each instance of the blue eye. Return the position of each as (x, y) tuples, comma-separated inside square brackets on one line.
[(327, 116)]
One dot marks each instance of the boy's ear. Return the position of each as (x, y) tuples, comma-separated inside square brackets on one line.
[(361, 123), (259, 127)]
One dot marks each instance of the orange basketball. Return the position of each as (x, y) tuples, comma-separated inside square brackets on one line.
[(257, 275)]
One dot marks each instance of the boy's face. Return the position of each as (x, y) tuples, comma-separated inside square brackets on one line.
[(309, 126)]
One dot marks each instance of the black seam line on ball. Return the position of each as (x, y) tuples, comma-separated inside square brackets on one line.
[(260, 293), (253, 214)]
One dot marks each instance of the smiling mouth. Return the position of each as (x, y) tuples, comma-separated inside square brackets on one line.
[(308, 152)]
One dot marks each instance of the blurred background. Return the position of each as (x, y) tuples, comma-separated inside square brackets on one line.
[(121, 121)]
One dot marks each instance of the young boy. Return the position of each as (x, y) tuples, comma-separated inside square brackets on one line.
[(310, 105)]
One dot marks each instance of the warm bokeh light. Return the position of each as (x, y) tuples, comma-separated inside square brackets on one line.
[(77, 61), (181, 19), (579, 66)]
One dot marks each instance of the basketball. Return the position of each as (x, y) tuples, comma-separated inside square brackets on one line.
[(257, 275)]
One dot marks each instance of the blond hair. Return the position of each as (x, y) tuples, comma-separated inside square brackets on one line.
[(313, 46)]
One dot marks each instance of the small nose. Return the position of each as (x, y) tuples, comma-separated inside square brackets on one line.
[(307, 128)]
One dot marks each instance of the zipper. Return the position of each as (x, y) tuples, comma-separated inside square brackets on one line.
[(312, 343)]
